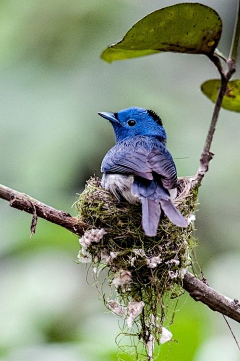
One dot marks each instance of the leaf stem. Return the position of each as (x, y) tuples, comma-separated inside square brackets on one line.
[(220, 55)]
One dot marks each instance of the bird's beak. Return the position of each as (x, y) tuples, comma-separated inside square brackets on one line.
[(109, 116)]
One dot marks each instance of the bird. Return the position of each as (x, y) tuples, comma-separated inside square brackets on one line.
[(139, 168)]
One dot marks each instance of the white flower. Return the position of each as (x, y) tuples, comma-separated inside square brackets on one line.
[(134, 309), (173, 274), (122, 278), (117, 308), (114, 254), (84, 242), (182, 273), (173, 261), (153, 261), (150, 346), (191, 218), (166, 336), (105, 256), (132, 261), (139, 252), (93, 235), (84, 257)]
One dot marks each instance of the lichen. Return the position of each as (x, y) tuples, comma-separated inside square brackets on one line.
[(141, 270)]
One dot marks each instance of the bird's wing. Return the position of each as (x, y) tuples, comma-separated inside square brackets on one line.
[(125, 158), (141, 156), (161, 163)]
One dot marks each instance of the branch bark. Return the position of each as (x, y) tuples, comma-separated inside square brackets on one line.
[(196, 288), (25, 203), (199, 291), (207, 155)]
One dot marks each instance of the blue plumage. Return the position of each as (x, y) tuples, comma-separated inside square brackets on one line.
[(140, 168)]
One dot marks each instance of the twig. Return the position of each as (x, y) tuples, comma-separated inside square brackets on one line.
[(230, 329), (207, 155), (30, 205), (197, 289), (34, 222)]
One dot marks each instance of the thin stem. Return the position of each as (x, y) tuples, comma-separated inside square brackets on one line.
[(216, 61), (220, 55), (236, 35), (207, 155), (230, 329), (215, 115)]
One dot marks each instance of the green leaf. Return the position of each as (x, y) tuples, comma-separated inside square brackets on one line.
[(183, 28), (231, 99)]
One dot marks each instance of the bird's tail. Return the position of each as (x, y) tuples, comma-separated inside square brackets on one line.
[(151, 213), (173, 213), (154, 198)]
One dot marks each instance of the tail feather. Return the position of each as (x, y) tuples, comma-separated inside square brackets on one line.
[(154, 198), (151, 212), (173, 213)]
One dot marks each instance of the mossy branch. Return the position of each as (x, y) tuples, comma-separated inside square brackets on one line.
[(195, 287)]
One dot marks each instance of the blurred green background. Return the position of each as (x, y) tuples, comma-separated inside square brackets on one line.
[(53, 83)]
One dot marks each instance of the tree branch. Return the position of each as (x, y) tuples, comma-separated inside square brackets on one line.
[(199, 291), (196, 288), (25, 203)]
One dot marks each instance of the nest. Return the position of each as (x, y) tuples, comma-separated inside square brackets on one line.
[(143, 272)]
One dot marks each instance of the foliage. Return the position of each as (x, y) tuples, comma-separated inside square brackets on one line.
[(231, 99), (190, 28), (183, 28)]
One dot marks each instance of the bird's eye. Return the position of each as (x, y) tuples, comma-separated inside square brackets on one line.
[(131, 122)]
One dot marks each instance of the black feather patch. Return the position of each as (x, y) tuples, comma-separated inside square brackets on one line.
[(155, 116)]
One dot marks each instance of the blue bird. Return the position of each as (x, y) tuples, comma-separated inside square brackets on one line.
[(140, 168)]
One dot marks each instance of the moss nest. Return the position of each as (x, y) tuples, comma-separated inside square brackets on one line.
[(143, 272)]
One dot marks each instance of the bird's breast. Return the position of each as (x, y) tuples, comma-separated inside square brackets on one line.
[(120, 186)]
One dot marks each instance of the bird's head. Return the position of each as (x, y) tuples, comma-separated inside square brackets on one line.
[(135, 121)]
